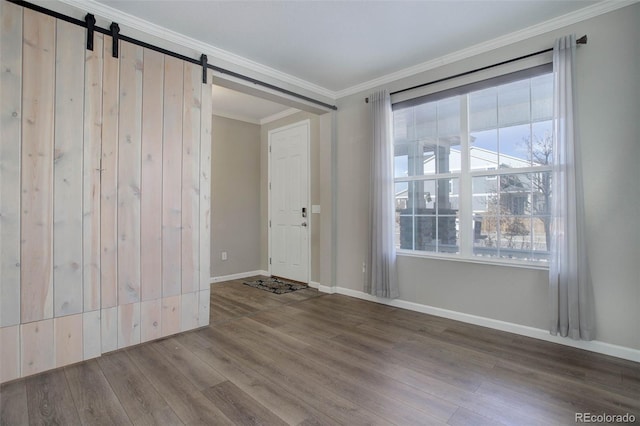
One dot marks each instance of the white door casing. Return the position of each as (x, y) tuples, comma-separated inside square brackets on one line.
[(289, 212)]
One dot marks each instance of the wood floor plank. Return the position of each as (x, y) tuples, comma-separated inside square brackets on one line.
[(464, 417), (330, 359), (276, 398), (447, 373), (200, 374), (49, 400), (388, 386), (239, 407), (549, 411), (139, 398), (569, 392), (365, 385), (356, 392), (94, 398), (13, 404), (296, 379), (182, 396)]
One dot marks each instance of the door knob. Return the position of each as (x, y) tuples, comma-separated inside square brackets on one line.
[(303, 224)]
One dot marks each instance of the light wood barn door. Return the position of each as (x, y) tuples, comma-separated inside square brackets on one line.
[(104, 194)]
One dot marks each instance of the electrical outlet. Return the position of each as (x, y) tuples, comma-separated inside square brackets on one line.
[(364, 267), (223, 255)]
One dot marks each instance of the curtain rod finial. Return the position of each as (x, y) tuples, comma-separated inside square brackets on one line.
[(582, 40)]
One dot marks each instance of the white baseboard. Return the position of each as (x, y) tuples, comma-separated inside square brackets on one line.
[(314, 284), (523, 330), (326, 289), (238, 276)]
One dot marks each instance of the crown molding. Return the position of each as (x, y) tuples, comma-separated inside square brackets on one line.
[(279, 115), (133, 22), (580, 15)]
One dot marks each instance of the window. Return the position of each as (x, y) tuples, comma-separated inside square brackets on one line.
[(473, 169)]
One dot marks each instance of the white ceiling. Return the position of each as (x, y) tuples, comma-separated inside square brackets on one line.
[(239, 106), (337, 45)]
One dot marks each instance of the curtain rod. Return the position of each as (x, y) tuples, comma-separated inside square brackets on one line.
[(581, 40), (114, 32)]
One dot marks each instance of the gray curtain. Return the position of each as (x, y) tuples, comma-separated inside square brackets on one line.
[(381, 279), (571, 293)]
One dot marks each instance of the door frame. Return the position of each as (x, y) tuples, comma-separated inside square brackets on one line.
[(306, 122)]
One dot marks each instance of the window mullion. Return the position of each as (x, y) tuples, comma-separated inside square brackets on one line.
[(466, 197)]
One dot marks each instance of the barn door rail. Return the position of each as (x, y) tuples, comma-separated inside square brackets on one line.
[(114, 32)]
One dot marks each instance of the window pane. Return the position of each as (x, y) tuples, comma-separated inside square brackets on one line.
[(514, 104), (483, 150), (447, 212), (449, 118), (515, 194), (424, 202), (510, 128), (401, 160), (425, 121), (414, 199), (449, 135), (483, 110), (515, 237), (425, 158), (402, 125), (541, 242), (485, 235), (541, 193), (425, 233), (485, 194), (404, 216), (542, 98), (541, 143), (514, 146)]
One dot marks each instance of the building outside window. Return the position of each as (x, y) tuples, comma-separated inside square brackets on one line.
[(473, 171)]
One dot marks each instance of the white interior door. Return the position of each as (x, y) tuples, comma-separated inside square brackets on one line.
[(289, 201)]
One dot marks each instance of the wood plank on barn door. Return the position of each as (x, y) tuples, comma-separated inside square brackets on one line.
[(191, 178), (36, 347), (68, 170), (92, 166), (205, 187), (9, 353), (129, 161), (68, 339), (10, 133), (151, 189), (109, 179), (150, 320), (128, 325), (109, 329), (91, 335), (172, 178), (37, 166)]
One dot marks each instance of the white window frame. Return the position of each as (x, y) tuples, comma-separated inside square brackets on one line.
[(465, 211)]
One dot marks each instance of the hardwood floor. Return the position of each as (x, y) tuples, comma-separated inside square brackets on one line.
[(307, 358)]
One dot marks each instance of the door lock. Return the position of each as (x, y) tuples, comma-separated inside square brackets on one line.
[(304, 212), (304, 224)]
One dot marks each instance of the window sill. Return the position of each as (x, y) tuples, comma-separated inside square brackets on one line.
[(480, 260)]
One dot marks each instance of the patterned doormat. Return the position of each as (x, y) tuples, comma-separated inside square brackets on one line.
[(276, 285)]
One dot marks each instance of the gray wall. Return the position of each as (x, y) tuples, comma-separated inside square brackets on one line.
[(608, 110), (235, 196)]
